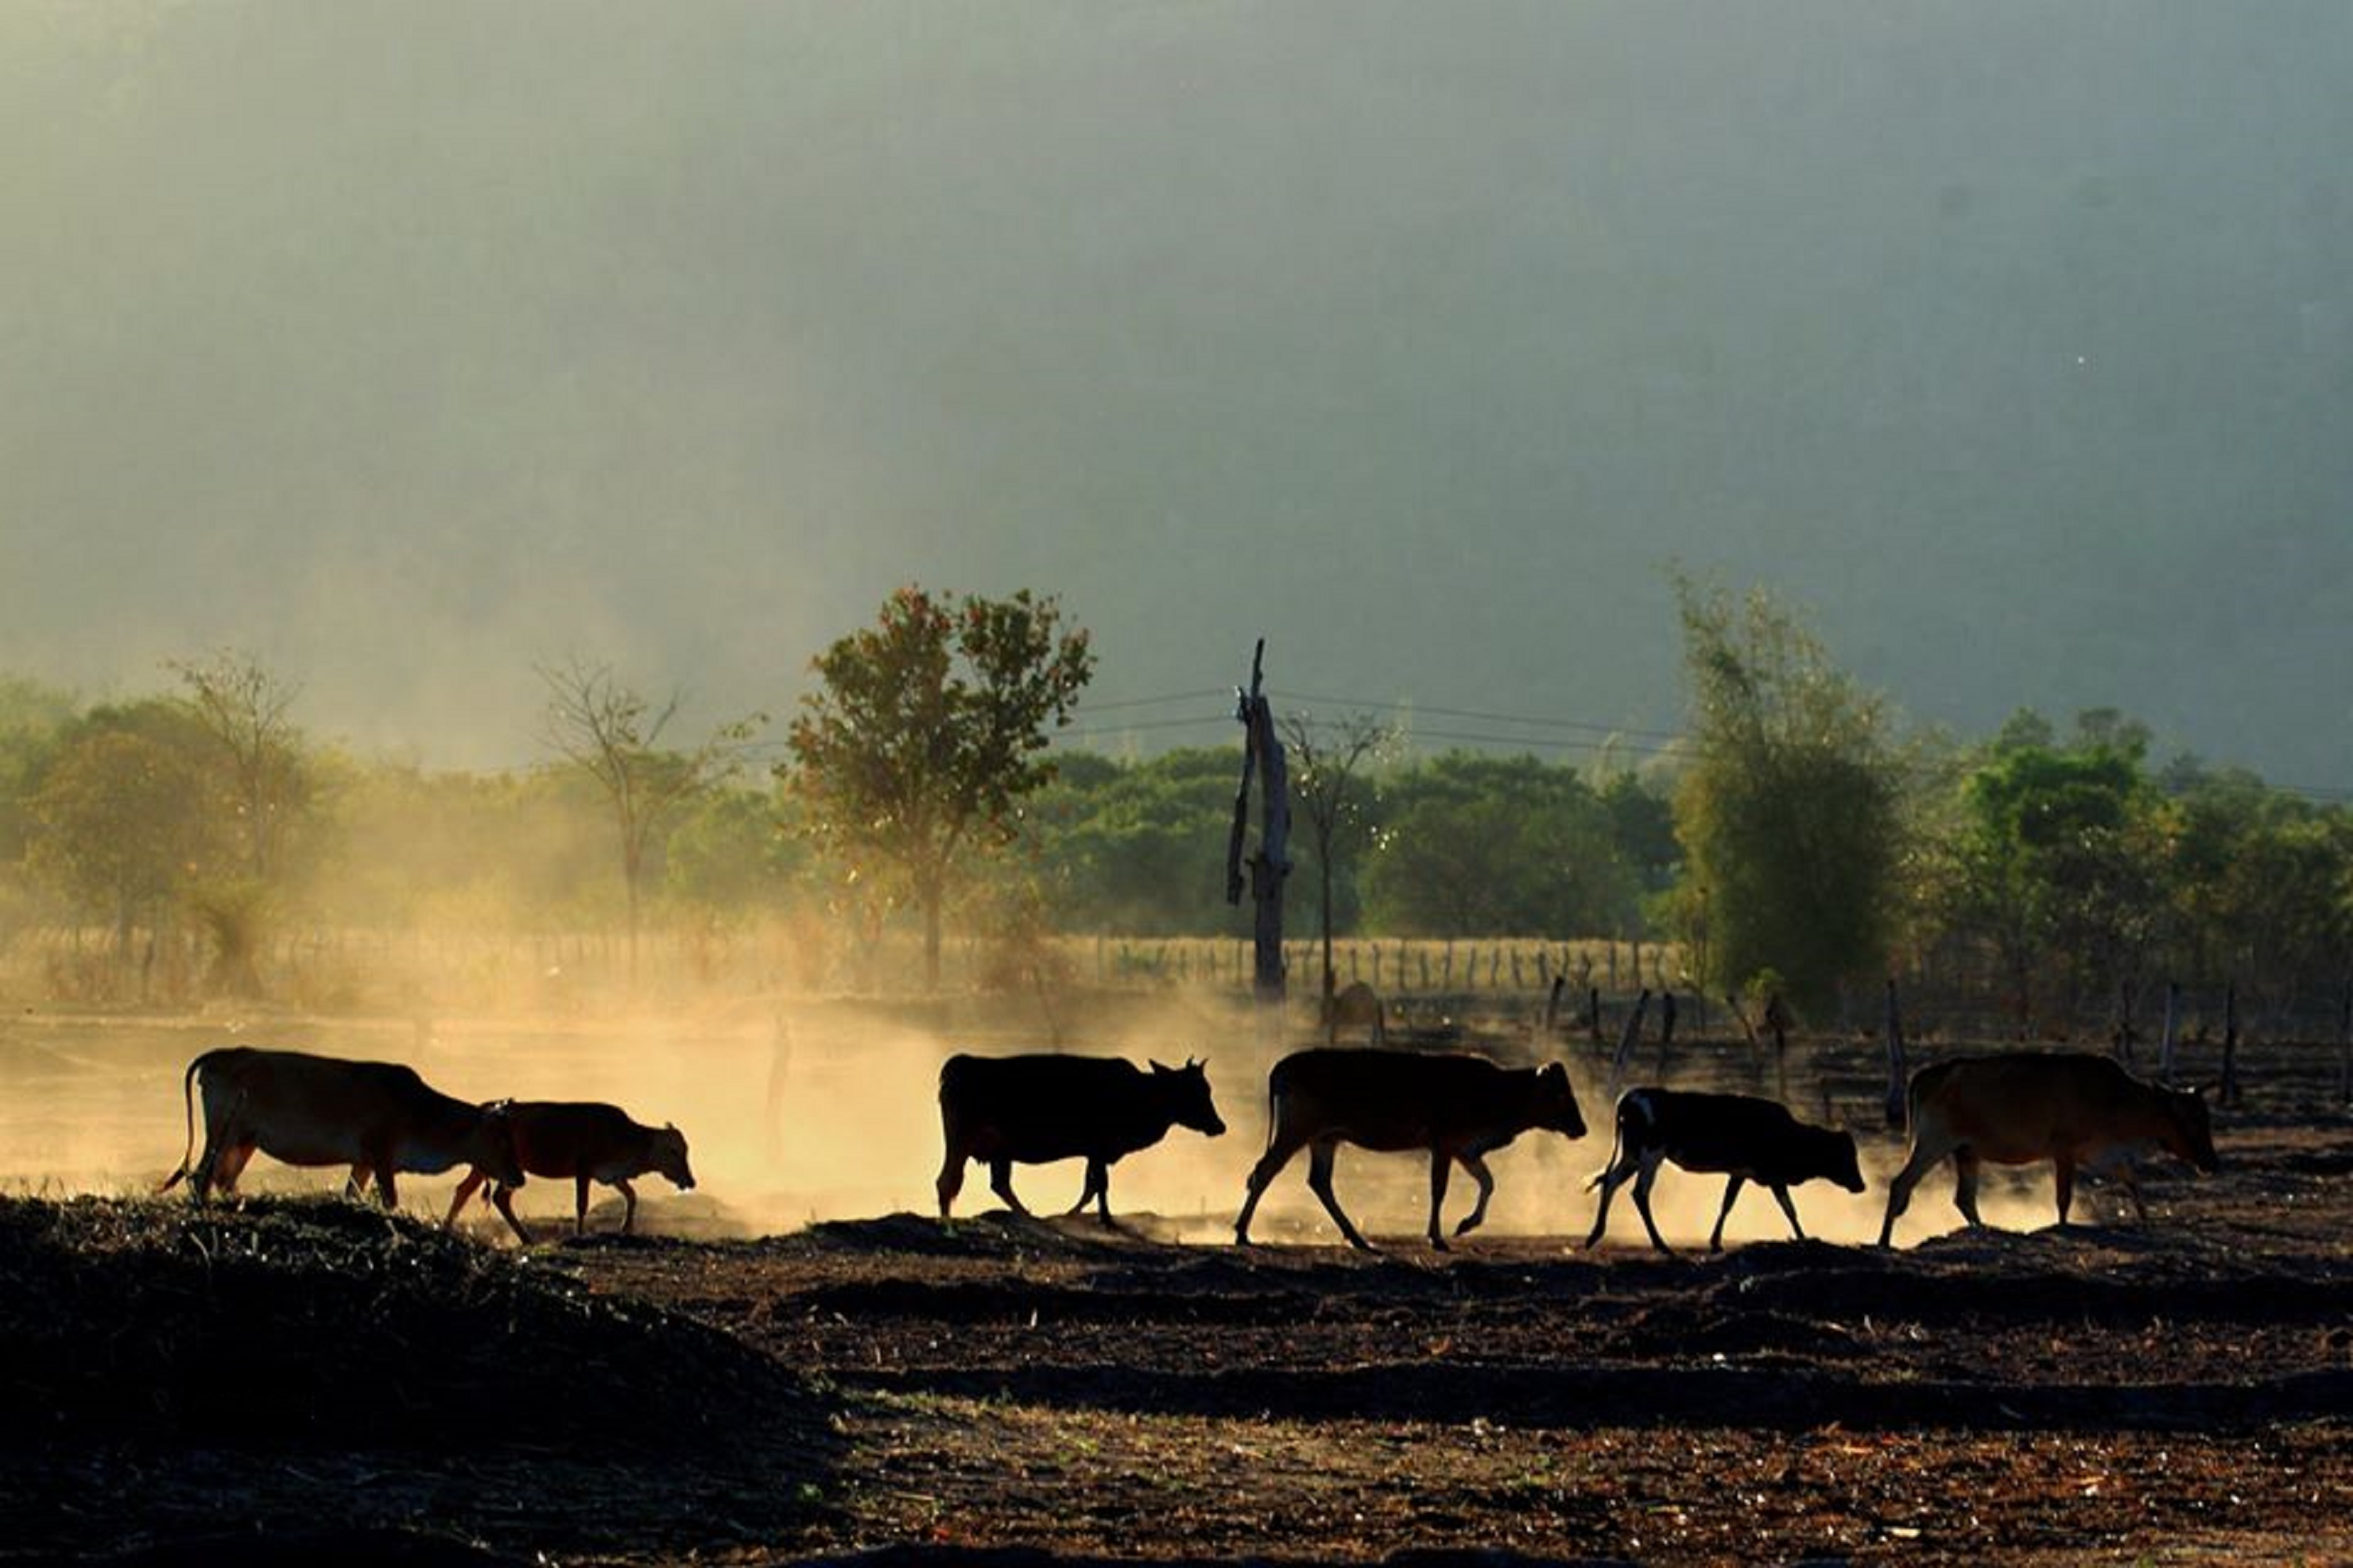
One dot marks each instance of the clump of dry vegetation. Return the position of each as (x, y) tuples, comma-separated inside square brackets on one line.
[(253, 1375), (293, 1322)]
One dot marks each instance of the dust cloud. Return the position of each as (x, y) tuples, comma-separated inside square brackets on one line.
[(799, 1110)]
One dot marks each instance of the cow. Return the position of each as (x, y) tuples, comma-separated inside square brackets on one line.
[(2071, 1107), (1036, 1108), (1458, 1105), (1737, 1135), (1356, 1006), (588, 1142), (377, 1118)]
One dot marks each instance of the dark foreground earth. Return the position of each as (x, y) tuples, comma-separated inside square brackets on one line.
[(310, 1381)]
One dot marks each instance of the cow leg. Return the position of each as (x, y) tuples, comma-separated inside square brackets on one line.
[(1486, 1179), (465, 1190), (1611, 1180), (1965, 1166), (1440, 1166), (220, 1168), (1781, 1196), (1097, 1182), (1319, 1182), (580, 1204), (1269, 1164), (2132, 1191), (502, 1196), (1925, 1152), (951, 1180), (1102, 1192), (628, 1204), (384, 1189), (1000, 1181), (2063, 1167), (355, 1184), (1731, 1191), (1650, 1173)]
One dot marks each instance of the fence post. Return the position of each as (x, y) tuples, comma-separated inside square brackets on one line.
[(2231, 1044), (1895, 1108), (2345, 1046), (1626, 1039), (2172, 1022)]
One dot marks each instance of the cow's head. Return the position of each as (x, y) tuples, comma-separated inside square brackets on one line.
[(2188, 1129), (1556, 1102), (669, 1153), (492, 1147), (1839, 1165), (1184, 1092)]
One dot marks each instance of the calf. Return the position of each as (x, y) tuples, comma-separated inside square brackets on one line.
[(1739, 1135), (1034, 1110), (1457, 1105), (588, 1142), (377, 1118), (2071, 1107)]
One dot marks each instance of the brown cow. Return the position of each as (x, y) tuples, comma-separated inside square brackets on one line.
[(377, 1118), (1457, 1105), (588, 1142), (2019, 1107)]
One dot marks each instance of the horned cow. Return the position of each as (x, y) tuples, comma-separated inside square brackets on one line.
[(1740, 1136), (1457, 1105), (1036, 1108), (2016, 1107), (586, 1141), (378, 1118)]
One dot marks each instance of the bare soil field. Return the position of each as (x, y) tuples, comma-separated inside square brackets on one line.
[(302, 1380)]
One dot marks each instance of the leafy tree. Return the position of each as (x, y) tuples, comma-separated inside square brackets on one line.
[(1136, 848), (2058, 868), (1331, 797), (121, 826), (33, 721), (1481, 845), (1791, 811), (613, 734), (925, 734)]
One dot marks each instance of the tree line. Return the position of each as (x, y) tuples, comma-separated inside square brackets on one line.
[(1798, 840)]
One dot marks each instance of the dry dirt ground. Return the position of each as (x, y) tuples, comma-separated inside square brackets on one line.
[(215, 1388)]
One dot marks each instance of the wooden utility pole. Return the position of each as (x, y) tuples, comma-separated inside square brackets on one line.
[(1262, 753)]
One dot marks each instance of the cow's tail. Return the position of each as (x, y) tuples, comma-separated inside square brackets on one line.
[(188, 1098), (1631, 1104)]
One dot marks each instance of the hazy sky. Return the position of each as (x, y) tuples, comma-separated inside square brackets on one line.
[(407, 345)]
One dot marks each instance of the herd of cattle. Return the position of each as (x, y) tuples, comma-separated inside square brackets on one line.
[(381, 1120)]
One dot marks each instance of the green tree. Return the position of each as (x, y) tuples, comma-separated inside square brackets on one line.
[(2059, 865), (1791, 811), (1137, 848), (120, 826), (613, 734), (925, 734), (1482, 845)]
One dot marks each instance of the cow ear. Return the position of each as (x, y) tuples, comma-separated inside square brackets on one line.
[(1196, 1064), (2207, 1090), (1157, 1066)]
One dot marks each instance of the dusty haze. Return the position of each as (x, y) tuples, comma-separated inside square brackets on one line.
[(94, 1105)]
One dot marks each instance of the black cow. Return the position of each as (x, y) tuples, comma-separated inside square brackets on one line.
[(1033, 1109), (1456, 1105), (1746, 1138)]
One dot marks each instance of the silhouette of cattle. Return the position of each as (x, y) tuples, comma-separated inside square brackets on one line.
[(1037, 1108), (1457, 1105)]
